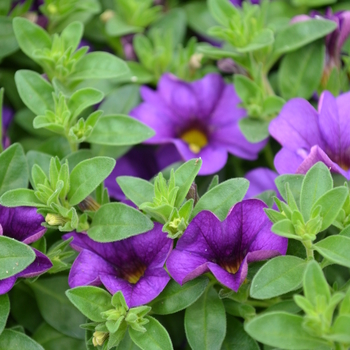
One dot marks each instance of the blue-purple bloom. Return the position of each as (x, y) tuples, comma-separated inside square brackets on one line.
[(261, 180), (334, 40), (200, 118), (144, 163), (225, 248), (24, 225), (133, 266), (308, 136), (7, 116), (238, 3)]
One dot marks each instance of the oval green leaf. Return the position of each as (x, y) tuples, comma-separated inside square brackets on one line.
[(116, 221), (278, 276), (4, 310), (13, 340), (176, 297), (119, 130)]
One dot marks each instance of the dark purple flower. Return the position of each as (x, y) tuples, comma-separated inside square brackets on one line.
[(133, 265), (261, 180), (144, 162), (238, 3), (199, 118), (7, 116), (24, 225), (308, 136), (225, 248), (128, 47), (334, 40)]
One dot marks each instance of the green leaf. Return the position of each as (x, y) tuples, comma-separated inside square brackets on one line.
[(137, 190), (296, 35), (116, 221), (336, 249), (285, 228), (155, 338), (21, 196), (55, 307), (184, 177), (8, 42), (261, 39), (15, 256), (295, 182), (314, 283), (340, 329), (222, 11), (30, 36), (13, 340), (117, 27), (313, 3), (90, 301), (222, 197), (305, 80), (72, 34), (331, 203), (205, 322), (278, 276), (271, 329), (51, 339), (236, 337), (175, 297), (317, 182), (14, 169), (86, 176), (119, 130), (4, 311), (35, 91), (255, 130), (82, 99), (121, 100), (99, 65)]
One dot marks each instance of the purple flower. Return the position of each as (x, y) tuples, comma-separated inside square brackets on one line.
[(24, 225), (7, 116), (199, 118), (144, 162), (261, 180), (133, 265), (308, 136), (225, 248), (238, 3), (334, 40)]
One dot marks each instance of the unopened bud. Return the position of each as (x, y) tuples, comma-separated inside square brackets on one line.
[(195, 61), (89, 204), (55, 219), (99, 338), (193, 194), (106, 16)]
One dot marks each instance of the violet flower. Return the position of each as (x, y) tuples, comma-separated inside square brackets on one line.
[(144, 162), (133, 265), (334, 40), (225, 248), (308, 136), (24, 225), (7, 116), (200, 118), (238, 3), (261, 180)]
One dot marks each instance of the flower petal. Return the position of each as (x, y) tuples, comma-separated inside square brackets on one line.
[(22, 223), (40, 265)]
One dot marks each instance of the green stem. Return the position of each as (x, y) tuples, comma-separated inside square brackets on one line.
[(265, 304), (73, 145), (269, 156), (309, 250)]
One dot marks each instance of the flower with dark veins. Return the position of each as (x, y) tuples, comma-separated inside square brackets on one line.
[(200, 118), (308, 136), (225, 248), (23, 224), (133, 265)]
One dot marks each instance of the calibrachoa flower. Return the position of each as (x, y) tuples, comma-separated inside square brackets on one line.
[(261, 180), (7, 116), (200, 118), (238, 3), (144, 162), (24, 225), (334, 40), (225, 248), (133, 265), (308, 136)]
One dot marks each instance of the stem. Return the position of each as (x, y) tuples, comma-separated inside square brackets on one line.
[(73, 145), (309, 251), (269, 156)]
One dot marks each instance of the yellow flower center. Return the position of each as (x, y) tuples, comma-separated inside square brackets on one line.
[(231, 268), (196, 139), (134, 276)]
